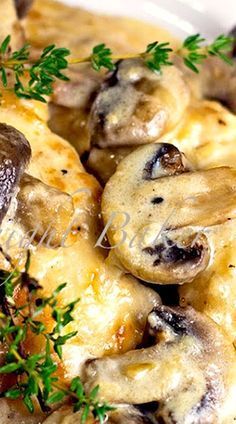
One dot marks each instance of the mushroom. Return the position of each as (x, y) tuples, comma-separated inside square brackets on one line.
[(123, 414), (136, 106), (15, 153), (70, 106), (43, 209), (22, 7), (157, 213), (189, 369)]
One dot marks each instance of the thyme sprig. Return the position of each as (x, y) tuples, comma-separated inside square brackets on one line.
[(36, 377), (53, 61), (194, 52)]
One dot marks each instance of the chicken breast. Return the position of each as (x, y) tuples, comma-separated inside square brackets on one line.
[(113, 308)]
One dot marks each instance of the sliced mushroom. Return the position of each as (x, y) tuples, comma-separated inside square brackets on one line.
[(15, 154), (189, 369), (157, 213), (136, 106), (43, 209)]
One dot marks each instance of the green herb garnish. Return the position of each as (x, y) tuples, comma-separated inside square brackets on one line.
[(36, 378), (194, 52), (43, 72)]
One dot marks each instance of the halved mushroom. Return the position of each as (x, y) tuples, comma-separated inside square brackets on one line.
[(44, 210), (15, 153), (157, 213), (189, 370), (136, 106)]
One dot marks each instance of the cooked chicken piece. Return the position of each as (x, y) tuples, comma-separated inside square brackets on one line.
[(206, 135), (136, 106), (158, 214), (70, 107), (189, 369), (51, 22)]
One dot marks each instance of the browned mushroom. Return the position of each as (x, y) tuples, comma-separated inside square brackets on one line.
[(70, 106), (189, 369), (22, 7), (135, 106), (157, 213), (43, 209), (15, 154), (10, 24)]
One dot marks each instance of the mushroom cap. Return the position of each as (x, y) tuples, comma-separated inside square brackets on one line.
[(136, 106), (157, 213)]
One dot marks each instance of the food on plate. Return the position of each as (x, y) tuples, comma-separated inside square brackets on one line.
[(117, 300)]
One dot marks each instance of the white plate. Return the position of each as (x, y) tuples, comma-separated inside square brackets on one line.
[(182, 17)]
